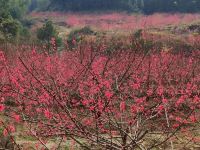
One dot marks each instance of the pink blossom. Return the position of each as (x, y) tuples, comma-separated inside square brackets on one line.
[(122, 106), (164, 100), (92, 108), (160, 108), (160, 91), (180, 101), (85, 102), (108, 94), (47, 114), (5, 132), (9, 129), (2, 56), (16, 117), (193, 118), (2, 107), (136, 86)]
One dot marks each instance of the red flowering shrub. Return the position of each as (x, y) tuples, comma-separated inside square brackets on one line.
[(118, 21), (114, 101)]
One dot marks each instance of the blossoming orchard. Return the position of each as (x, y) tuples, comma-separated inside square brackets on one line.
[(100, 75), (99, 99)]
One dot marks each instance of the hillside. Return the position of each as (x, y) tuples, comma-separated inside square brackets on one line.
[(144, 6)]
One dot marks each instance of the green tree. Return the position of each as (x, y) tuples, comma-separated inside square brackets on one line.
[(39, 5), (186, 6), (4, 7), (93, 5), (47, 32), (18, 8), (11, 16), (10, 28), (146, 6)]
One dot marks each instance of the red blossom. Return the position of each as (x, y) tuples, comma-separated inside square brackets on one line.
[(2, 107), (122, 106), (87, 92), (180, 101), (193, 119), (47, 114), (16, 117), (165, 101), (108, 94), (2, 56)]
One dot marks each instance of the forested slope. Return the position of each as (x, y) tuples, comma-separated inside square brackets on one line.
[(146, 6)]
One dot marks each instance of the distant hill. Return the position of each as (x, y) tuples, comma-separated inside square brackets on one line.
[(145, 6), (94, 5), (183, 6)]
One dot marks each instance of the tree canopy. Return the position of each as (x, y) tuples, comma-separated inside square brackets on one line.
[(146, 6), (186, 6), (11, 17), (93, 5)]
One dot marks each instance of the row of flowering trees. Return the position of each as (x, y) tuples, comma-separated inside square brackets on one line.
[(125, 99)]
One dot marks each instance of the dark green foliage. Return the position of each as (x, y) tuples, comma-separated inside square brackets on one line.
[(59, 42), (77, 35), (11, 16), (138, 34), (18, 8), (47, 32), (16, 13), (188, 6), (9, 27), (79, 32), (95, 5), (10, 103), (141, 44), (4, 5), (39, 5), (33, 5), (146, 6), (86, 31), (27, 22), (24, 34), (195, 28)]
